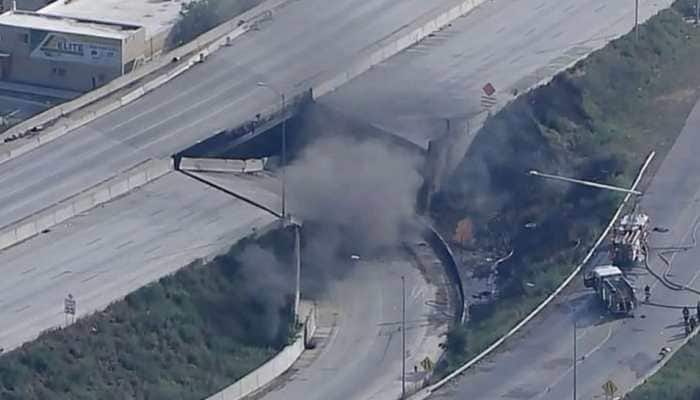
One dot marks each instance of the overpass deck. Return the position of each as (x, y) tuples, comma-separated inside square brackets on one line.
[(512, 44), (287, 52)]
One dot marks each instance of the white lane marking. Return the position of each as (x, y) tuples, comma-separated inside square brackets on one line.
[(195, 122), (578, 361)]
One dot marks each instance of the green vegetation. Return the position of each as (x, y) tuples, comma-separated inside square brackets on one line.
[(677, 380), (184, 337), (596, 121), (199, 16)]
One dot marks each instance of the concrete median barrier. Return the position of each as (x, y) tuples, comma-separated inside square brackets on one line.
[(101, 193), (212, 165), (234, 166), (275, 366), (254, 165), (132, 96)]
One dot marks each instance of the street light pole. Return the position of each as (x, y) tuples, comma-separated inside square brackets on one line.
[(403, 337), (297, 230), (284, 157), (575, 357), (636, 20), (284, 145), (585, 183)]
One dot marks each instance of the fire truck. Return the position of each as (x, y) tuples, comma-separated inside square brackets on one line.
[(628, 239)]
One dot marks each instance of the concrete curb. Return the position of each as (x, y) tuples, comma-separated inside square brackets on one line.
[(205, 44), (276, 366), (428, 391), (101, 193)]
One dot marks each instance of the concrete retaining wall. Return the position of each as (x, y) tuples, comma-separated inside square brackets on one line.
[(205, 44), (84, 201), (222, 165), (444, 252), (275, 366)]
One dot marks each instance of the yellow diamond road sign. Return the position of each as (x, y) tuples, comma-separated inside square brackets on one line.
[(609, 388)]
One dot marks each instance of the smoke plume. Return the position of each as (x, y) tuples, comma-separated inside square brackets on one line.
[(270, 282), (362, 189)]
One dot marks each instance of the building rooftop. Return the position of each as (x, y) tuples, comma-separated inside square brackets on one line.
[(27, 19), (156, 16)]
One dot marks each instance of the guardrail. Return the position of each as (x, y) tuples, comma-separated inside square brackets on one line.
[(57, 117), (443, 250), (428, 391)]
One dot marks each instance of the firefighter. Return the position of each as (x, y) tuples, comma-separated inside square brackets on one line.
[(647, 294), (686, 315)]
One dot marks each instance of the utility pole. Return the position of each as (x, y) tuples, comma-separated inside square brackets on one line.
[(403, 337), (636, 20), (284, 145), (575, 357), (297, 262), (284, 157)]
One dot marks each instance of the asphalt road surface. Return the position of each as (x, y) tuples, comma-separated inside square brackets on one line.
[(512, 44), (359, 341), (304, 39), (359, 335), (623, 350), (116, 248)]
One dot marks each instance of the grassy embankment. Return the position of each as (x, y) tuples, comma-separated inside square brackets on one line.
[(183, 337), (677, 380), (597, 121)]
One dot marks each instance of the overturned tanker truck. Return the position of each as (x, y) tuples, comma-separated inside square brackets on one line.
[(614, 291)]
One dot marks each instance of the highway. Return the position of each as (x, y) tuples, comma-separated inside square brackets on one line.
[(304, 39), (99, 256), (623, 350), (359, 339), (512, 44), (115, 249)]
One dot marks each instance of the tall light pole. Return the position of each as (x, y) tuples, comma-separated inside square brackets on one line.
[(403, 337), (575, 356), (297, 230), (284, 145), (636, 20), (585, 183)]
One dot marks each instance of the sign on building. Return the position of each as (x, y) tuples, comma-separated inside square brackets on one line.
[(78, 49)]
